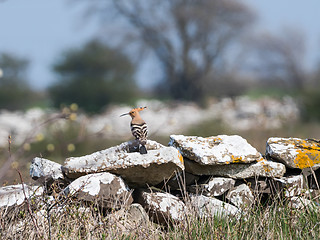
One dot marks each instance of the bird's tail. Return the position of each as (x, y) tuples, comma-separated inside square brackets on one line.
[(143, 149)]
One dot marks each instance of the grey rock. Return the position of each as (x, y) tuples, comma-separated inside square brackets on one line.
[(162, 207), (292, 185), (15, 195), (219, 150), (237, 171), (209, 206), (136, 169), (215, 187), (294, 152), (300, 203), (129, 219), (45, 171), (109, 190), (241, 196)]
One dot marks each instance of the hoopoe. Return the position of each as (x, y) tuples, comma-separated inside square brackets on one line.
[(138, 128)]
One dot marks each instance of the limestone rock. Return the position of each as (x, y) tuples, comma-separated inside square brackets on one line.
[(294, 152), (262, 168), (16, 194), (259, 186), (162, 207), (219, 150), (129, 219), (241, 196), (300, 203), (136, 169), (45, 171), (109, 190), (209, 206), (215, 187), (292, 185)]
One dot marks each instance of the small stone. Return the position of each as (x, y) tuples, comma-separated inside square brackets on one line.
[(241, 196), (300, 203), (110, 190), (209, 207), (292, 185), (215, 187), (219, 150), (16, 194), (162, 207), (45, 171), (129, 219)]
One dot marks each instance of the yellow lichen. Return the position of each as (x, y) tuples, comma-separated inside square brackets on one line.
[(236, 159), (308, 154), (180, 157)]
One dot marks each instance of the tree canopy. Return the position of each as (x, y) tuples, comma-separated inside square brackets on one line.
[(93, 76), (15, 93)]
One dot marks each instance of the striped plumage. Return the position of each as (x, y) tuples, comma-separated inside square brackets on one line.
[(138, 128), (140, 131)]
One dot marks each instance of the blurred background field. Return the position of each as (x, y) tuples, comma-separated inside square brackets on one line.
[(201, 67)]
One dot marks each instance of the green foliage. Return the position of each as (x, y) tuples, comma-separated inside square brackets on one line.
[(15, 94), (311, 101), (93, 77)]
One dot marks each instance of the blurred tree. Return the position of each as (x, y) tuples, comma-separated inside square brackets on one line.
[(279, 58), (190, 39), (93, 77), (15, 93), (311, 98)]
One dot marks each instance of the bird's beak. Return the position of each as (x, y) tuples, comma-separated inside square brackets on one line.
[(124, 114)]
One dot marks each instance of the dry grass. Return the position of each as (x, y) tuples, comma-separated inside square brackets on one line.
[(65, 218)]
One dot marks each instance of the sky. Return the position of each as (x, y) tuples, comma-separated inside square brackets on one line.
[(41, 30)]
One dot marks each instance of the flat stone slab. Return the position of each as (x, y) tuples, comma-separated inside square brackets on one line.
[(262, 168), (215, 187), (294, 152), (44, 170), (136, 169), (162, 207), (16, 194), (110, 190), (219, 150)]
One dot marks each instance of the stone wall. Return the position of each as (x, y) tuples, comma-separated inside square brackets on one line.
[(215, 175)]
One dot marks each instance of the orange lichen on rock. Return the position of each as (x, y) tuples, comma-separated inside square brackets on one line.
[(180, 157), (308, 154), (236, 159)]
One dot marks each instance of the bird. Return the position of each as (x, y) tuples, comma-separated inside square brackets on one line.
[(138, 128)]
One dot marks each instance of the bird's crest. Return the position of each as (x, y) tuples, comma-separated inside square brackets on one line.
[(134, 111)]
